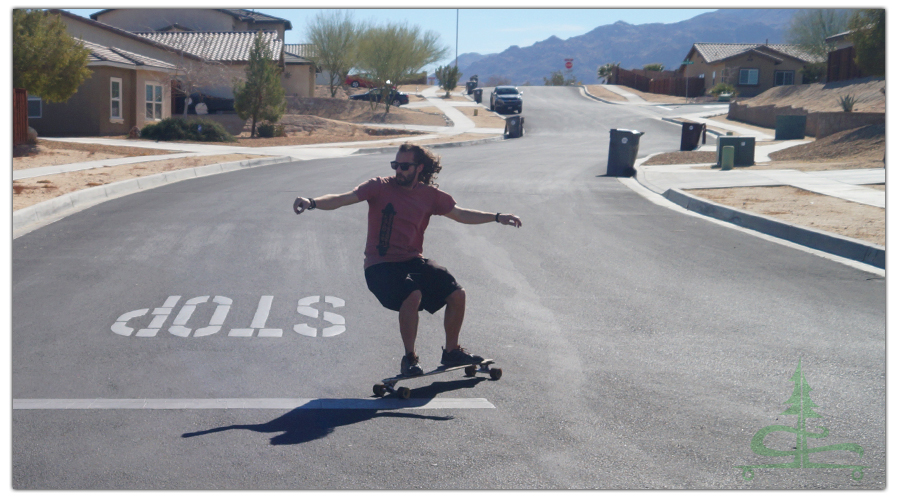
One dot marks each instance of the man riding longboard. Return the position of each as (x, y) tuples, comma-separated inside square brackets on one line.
[(400, 208)]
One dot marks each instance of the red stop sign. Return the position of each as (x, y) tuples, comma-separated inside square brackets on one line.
[(568, 64)]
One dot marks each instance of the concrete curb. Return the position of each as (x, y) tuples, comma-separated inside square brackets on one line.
[(393, 149), (67, 203), (679, 121), (849, 248)]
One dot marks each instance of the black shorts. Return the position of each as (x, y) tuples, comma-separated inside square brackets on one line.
[(392, 282)]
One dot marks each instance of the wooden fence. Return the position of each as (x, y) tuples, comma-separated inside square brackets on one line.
[(841, 65), (631, 79), (666, 86), (20, 116), (696, 87)]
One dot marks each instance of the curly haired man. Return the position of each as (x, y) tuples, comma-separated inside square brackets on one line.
[(400, 208)]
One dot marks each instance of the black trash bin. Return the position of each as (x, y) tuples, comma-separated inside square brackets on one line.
[(623, 150), (477, 95), (470, 86), (690, 135), (515, 126)]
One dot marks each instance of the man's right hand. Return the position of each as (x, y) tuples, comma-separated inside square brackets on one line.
[(301, 205)]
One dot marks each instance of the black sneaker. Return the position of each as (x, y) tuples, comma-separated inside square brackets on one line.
[(409, 366), (459, 357)]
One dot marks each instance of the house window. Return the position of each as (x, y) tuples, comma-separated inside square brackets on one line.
[(35, 106), (115, 98), (153, 101), (749, 77), (784, 78)]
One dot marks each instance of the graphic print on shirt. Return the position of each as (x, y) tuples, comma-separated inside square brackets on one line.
[(387, 225)]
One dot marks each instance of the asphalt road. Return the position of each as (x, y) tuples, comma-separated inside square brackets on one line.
[(641, 347)]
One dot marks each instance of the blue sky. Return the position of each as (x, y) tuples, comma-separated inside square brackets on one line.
[(484, 31)]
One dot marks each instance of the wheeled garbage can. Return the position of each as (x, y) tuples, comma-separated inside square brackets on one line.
[(623, 150), (470, 87), (476, 94), (690, 135), (515, 126)]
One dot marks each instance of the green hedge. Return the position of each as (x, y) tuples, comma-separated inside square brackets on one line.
[(267, 129), (179, 129)]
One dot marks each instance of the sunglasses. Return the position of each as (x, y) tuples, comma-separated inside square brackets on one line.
[(402, 166)]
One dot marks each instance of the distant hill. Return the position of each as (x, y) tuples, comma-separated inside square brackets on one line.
[(631, 45)]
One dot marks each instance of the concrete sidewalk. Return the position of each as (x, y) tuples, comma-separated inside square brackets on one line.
[(672, 181)]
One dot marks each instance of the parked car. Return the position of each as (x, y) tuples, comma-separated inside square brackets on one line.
[(214, 105), (506, 97), (357, 81), (396, 97)]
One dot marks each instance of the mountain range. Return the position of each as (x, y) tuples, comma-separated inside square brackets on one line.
[(633, 46)]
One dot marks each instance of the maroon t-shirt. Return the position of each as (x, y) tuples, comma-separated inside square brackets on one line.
[(398, 218)]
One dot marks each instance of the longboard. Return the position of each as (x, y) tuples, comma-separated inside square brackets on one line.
[(387, 385)]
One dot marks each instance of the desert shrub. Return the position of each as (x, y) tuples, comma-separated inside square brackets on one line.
[(267, 129), (179, 129), (722, 88), (847, 102)]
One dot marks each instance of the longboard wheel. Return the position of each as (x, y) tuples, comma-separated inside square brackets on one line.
[(404, 392), (470, 370), (496, 373), (379, 390)]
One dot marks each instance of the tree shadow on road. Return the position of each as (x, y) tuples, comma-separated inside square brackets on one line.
[(316, 420)]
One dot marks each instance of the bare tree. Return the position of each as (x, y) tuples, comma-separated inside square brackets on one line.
[(810, 27), (335, 36)]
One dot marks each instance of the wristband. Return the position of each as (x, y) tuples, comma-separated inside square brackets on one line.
[(497, 217), (312, 204)]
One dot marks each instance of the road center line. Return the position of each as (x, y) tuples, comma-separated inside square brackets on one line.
[(252, 404)]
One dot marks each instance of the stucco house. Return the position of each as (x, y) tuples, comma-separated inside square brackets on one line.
[(125, 90), (227, 55), (222, 37), (750, 68), (213, 20)]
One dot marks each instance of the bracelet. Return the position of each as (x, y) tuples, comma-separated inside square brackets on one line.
[(497, 217), (312, 204)]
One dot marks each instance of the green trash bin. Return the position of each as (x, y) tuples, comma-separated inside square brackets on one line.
[(788, 127), (623, 150), (744, 150)]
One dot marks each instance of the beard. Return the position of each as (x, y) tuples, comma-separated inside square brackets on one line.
[(405, 180)]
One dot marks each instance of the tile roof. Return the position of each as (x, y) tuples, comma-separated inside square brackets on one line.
[(226, 46), (305, 50), (257, 17), (100, 54), (712, 52), (242, 14)]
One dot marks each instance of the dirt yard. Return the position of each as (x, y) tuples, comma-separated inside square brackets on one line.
[(859, 148), (318, 120)]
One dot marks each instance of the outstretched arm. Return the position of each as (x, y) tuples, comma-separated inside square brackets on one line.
[(327, 202), (469, 216)]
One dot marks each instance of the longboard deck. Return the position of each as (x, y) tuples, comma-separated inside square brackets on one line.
[(440, 369), (387, 385)]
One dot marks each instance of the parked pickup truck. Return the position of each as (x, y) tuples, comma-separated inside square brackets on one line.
[(506, 97)]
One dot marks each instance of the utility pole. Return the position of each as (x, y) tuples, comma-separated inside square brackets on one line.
[(456, 61)]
